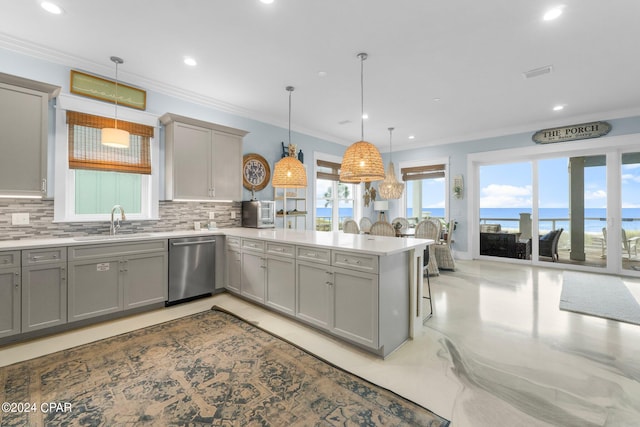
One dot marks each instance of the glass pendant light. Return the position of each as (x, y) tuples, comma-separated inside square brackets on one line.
[(114, 137), (362, 161), (390, 188), (288, 172)]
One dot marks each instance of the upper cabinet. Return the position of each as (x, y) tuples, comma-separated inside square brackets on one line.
[(203, 161), (24, 122)]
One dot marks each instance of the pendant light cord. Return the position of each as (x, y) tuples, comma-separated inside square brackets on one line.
[(362, 56), (290, 89), (116, 94), (390, 146)]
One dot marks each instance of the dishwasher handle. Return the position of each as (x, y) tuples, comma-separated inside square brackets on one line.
[(200, 242)]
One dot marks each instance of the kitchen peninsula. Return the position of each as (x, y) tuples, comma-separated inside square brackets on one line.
[(363, 289)]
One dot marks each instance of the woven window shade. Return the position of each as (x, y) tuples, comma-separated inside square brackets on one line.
[(422, 172), (289, 173), (361, 163), (330, 171), (87, 152)]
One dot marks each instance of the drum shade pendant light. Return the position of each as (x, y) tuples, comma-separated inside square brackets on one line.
[(114, 137), (289, 172), (390, 188), (362, 161)]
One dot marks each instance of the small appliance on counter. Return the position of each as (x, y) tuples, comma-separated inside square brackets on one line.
[(259, 213)]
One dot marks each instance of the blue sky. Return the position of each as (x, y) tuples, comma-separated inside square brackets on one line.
[(509, 185)]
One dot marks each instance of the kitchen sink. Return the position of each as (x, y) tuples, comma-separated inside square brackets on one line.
[(102, 237)]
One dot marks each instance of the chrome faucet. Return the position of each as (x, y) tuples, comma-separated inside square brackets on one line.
[(115, 227)]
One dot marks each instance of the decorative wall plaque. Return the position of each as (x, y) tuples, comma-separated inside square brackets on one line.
[(572, 133), (105, 90)]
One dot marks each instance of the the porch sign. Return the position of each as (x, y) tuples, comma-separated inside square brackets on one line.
[(572, 133)]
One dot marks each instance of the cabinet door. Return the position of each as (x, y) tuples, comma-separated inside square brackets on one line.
[(234, 270), (313, 283), (191, 162), (9, 302), (355, 306), (23, 121), (145, 280), (253, 276), (227, 166), (95, 288), (44, 296), (281, 284)]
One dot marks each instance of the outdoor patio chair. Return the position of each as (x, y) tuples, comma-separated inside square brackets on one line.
[(548, 244), (629, 244)]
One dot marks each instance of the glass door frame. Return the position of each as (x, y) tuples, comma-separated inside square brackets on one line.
[(611, 147)]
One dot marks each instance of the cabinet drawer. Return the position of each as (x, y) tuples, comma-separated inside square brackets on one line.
[(354, 261), (233, 242), (281, 249), (117, 249), (314, 254), (254, 245), (9, 259), (39, 256)]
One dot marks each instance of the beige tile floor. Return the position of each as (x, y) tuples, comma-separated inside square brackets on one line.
[(497, 352)]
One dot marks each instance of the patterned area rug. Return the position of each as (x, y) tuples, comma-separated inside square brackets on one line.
[(206, 369)]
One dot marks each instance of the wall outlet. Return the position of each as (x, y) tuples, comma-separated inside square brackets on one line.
[(212, 215), (20, 218), (233, 215)]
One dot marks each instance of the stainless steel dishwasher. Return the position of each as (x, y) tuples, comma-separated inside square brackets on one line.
[(192, 264)]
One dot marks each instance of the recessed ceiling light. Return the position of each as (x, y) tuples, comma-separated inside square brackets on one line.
[(190, 61), (412, 137), (558, 108), (322, 74), (552, 14), (266, 1), (51, 7), (365, 116), (436, 99)]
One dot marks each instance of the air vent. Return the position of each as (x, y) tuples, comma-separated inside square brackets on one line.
[(537, 72)]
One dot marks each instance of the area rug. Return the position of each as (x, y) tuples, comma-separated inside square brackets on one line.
[(208, 369), (599, 295)]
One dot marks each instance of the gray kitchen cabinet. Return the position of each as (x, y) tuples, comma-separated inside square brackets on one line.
[(110, 278), (253, 270), (354, 303), (341, 300), (10, 285), (95, 287), (313, 281), (145, 279), (203, 161), (44, 288), (234, 264), (24, 122), (281, 277)]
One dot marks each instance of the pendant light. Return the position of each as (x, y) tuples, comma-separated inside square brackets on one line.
[(390, 188), (288, 172), (362, 161), (114, 137)]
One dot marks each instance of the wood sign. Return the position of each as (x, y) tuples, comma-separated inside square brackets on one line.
[(105, 90), (572, 133)]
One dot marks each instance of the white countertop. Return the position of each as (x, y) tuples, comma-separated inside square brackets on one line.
[(375, 245)]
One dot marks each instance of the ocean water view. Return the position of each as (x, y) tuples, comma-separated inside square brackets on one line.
[(509, 218)]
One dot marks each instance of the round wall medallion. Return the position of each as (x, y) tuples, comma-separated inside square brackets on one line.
[(255, 172)]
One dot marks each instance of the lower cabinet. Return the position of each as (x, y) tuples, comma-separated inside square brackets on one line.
[(10, 285), (253, 276), (340, 300), (106, 279), (234, 270), (281, 284), (44, 288)]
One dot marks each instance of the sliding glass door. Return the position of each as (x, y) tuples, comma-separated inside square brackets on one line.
[(578, 209)]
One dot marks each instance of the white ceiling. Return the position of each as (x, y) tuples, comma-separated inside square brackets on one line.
[(468, 53)]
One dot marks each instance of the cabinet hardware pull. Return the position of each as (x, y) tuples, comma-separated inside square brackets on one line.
[(43, 185)]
